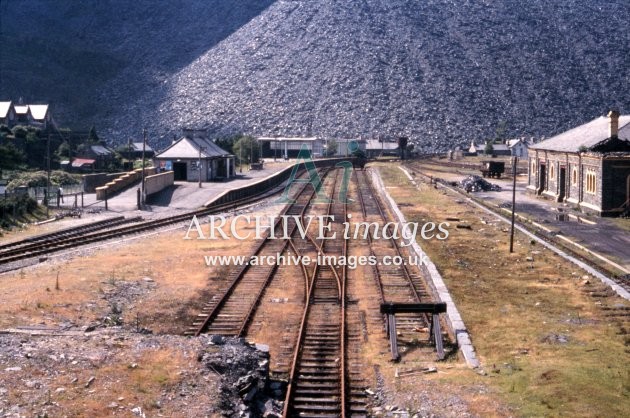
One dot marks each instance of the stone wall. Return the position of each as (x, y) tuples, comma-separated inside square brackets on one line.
[(122, 182), (593, 200), (92, 181), (158, 182)]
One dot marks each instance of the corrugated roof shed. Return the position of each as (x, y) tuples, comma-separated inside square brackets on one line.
[(587, 135), (79, 162)]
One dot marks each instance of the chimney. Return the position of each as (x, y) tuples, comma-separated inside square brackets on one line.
[(195, 133), (613, 123)]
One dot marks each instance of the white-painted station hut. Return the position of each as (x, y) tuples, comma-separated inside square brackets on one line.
[(184, 155)]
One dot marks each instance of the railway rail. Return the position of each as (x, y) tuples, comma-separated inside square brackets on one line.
[(396, 284), (317, 380), (325, 373), (621, 280), (43, 245), (230, 312), (67, 238)]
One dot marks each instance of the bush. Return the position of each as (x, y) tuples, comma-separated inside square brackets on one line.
[(19, 131), (39, 179), (19, 204)]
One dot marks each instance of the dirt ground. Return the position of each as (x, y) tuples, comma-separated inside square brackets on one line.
[(606, 236), (552, 341)]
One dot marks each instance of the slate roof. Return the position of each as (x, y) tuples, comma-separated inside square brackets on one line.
[(587, 135), (21, 109), (500, 147), (38, 111), (375, 144), (137, 146), (513, 142), (100, 150), (188, 148), (4, 109)]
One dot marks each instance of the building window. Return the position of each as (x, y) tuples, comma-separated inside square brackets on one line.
[(591, 181), (574, 176), (534, 166), (552, 174)]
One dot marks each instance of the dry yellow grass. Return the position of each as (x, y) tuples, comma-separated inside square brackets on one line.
[(181, 282), (514, 308)]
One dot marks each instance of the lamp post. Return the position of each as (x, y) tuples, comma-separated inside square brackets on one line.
[(514, 159), (48, 173)]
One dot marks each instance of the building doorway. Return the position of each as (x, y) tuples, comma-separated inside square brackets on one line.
[(542, 178), (563, 184), (180, 171)]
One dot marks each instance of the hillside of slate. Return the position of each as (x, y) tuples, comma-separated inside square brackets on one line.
[(441, 72)]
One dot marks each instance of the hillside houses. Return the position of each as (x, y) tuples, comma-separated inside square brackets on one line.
[(37, 115), (517, 147)]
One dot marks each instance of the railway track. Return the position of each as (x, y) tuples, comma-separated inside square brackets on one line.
[(396, 283), (55, 241), (43, 245), (622, 280), (317, 380), (230, 312)]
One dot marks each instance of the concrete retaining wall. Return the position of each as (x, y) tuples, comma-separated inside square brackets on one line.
[(158, 182), (92, 181), (122, 182), (262, 186)]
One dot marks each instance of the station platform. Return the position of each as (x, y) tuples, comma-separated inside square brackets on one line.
[(182, 195)]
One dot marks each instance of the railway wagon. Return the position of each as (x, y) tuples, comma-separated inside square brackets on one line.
[(492, 168)]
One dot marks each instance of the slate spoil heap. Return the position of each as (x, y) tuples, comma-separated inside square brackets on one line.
[(245, 389)]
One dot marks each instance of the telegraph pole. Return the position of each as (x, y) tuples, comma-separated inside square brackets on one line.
[(514, 159), (144, 148), (199, 163), (251, 153), (47, 196)]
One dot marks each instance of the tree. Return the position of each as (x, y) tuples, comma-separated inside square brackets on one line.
[(402, 146), (246, 149), (10, 157), (64, 150), (92, 136), (331, 148), (489, 149), (360, 158), (19, 131), (226, 144), (500, 131), (410, 149)]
